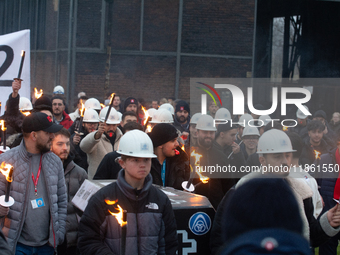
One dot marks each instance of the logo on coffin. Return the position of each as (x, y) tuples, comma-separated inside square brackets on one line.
[(200, 223)]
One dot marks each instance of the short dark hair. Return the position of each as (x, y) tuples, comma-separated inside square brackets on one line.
[(58, 97), (82, 98), (315, 125), (297, 144), (132, 125), (129, 113), (63, 132)]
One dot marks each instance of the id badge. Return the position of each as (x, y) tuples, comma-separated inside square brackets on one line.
[(37, 203)]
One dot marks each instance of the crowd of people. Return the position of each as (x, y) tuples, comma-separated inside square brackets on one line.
[(286, 204)]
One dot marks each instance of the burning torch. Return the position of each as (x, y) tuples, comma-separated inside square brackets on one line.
[(317, 156), (21, 64), (37, 94), (147, 118), (79, 124), (7, 170), (122, 221), (3, 138), (110, 107)]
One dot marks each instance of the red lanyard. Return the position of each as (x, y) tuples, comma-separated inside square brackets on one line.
[(35, 181)]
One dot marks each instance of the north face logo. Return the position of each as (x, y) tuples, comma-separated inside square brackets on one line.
[(182, 108)]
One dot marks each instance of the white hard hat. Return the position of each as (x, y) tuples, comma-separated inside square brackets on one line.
[(113, 116), (151, 112), (81, 94), (250, 131), (120, 116), (274, 141), (300, 114), (91, 115), (162, 116), (136, 143), (25, 104), (195, 118), (58, 90), (92, 103), (265, 118), (244, 119), (206, 122), (169, 107), (223, 114)]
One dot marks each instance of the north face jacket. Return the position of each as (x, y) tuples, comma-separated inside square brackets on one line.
[(151, 225), (52, 166)]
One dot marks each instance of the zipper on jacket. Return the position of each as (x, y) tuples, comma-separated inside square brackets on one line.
[(137, 224)]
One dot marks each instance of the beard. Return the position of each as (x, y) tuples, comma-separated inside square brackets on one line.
[(43, 147), (205, 142), (181, 119)]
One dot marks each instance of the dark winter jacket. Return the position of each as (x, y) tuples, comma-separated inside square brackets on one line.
[(177, 170), (335, 127), (151, 227), (74, 177), (308, 156), (253, 160), (82, 161), (108, 167), (13, 116), (215, 189)]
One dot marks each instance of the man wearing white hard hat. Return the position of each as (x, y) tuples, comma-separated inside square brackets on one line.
[(250, 137), (242, 123), (192, 141), (151, 227), (97, 144), (275, 154), (215, 189), (90, 124)]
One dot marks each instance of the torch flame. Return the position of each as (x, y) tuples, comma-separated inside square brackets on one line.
[(82, 109), (38, 94), (197, 157), (112, 96), (119, 215), (6, 169), (146, 115), (284, 128), (203, 178), (3, 127), (26, 113), (317, 154), (102, 105), (183, 149), (148, 129)]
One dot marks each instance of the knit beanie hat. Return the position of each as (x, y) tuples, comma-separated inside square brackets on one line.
[(162, 133), (130, 100), (181, 106), (261, 203), (320, 113), (43, 103)]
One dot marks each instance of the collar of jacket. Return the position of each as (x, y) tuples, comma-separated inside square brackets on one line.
[(129, 191), (23, 152)]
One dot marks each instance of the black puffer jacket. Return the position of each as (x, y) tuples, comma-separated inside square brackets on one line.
[(74, 177), (177, 170), (151, 227)]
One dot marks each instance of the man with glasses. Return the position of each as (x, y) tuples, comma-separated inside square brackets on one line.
[(59, 115)]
